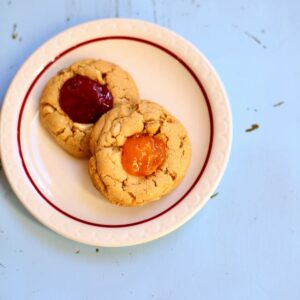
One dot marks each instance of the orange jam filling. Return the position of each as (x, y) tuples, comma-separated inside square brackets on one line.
[(143, 154)]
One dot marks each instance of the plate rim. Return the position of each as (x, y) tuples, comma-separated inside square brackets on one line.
[(135, 22)]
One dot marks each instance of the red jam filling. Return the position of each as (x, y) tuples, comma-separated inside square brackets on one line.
[(142, 154), (84, 100)]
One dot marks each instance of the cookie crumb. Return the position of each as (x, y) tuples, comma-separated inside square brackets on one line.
[(252, 128), (214, 195), (278, 104)]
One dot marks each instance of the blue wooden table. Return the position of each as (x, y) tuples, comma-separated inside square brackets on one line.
[(245, 243)]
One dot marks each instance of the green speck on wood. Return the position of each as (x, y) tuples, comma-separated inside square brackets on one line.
[(214, 195), (97, 249), (253, 127), (14, 34)]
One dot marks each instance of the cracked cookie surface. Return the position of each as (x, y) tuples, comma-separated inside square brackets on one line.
[(107, 139), (71, 136)]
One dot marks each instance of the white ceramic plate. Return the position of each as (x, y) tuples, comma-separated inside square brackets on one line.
[(56, 188)]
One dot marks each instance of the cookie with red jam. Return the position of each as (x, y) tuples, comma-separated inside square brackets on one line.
[(76, 98)]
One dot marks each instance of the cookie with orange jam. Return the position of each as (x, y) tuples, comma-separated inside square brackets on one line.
[(139, 153), (75, 98)]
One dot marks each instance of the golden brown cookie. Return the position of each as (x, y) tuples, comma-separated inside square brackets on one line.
[(73, 136), (107, 140)]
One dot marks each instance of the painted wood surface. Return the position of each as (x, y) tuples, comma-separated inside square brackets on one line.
[(245, 243)]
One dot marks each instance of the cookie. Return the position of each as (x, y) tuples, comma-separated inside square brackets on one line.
[(70, 125), (107, 141)]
